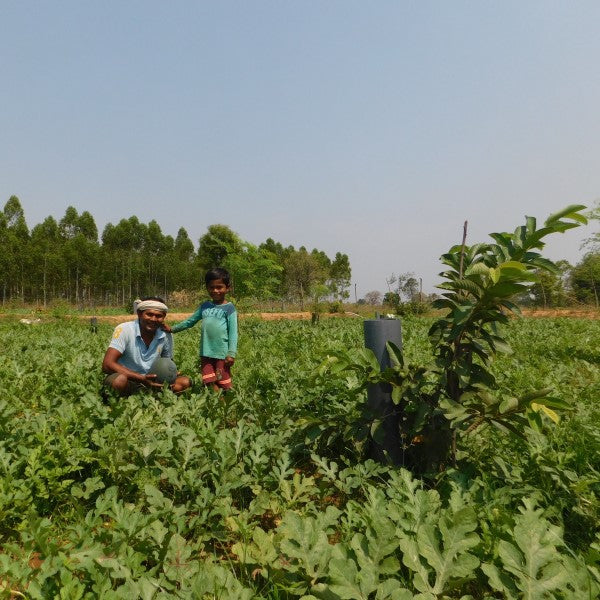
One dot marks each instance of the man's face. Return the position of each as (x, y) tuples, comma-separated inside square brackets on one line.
[(217, 290), (151, 319)]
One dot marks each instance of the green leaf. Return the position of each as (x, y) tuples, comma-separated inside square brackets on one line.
[(348, 582), (513, 265), (572, 211), (533, 559), (505, 289), (391, 589), (395, 354), (547, 411), (445, 550), (557, 403), (508, 405), (478, 268), (462, 285), (500, 345), (305, 545)]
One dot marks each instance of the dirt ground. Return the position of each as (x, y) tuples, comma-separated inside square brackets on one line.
[(576, 313), (174, 317), (296, 316)]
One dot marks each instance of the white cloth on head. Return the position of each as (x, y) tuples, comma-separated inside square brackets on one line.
[(152, 304)]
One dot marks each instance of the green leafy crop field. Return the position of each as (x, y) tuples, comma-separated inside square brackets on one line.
[(269, 492)]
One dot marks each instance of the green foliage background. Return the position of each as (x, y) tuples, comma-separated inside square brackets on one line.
[(67, 262), (195, 497)]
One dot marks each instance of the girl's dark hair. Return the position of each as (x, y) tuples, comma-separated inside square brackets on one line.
[(217, 273)]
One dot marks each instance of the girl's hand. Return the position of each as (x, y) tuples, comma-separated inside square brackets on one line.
[(166, 328), (229, 360)]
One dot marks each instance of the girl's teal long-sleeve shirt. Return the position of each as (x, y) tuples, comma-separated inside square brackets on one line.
[(219, 335)]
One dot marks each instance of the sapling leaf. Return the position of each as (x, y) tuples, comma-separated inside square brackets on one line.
[(508, 405), (530, 224), (478, 268), (395, 354), (547, 411), (535, 394), (573, 211), (552, 402)]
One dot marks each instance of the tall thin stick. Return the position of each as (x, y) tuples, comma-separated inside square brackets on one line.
[(462, 256), (462, 250)]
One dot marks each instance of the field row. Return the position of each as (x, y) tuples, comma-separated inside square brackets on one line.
[(270, 492)]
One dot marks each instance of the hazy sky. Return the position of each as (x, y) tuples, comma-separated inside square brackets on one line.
[(370, 128)]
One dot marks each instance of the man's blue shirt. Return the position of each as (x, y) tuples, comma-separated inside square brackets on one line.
[(135, 355)]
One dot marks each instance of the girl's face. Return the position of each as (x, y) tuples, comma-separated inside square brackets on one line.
[(217, 290)]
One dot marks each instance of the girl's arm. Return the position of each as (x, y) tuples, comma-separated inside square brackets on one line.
[(232, 330)]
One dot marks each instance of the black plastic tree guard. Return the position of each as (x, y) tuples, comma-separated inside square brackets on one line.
[(379, 396)]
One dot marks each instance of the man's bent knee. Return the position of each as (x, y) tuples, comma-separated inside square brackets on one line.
[(118, 382)]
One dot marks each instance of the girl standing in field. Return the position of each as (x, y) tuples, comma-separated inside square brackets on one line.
[(219, 334)]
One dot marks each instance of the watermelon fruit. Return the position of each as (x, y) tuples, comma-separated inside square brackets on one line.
[(164, 369)]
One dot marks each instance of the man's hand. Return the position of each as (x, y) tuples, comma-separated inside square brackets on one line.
[(150, 379)]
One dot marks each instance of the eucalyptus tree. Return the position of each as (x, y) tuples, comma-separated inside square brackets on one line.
[(4, 256), (123, 268), (47, 259), (183, 271), (155, 246), (81, 252), (340, 275), (14, 249)]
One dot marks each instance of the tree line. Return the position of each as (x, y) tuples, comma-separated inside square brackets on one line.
[(67, 260)]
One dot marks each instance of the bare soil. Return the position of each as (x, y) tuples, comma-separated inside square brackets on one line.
[(173, 317), (297, 316), (575, 313)]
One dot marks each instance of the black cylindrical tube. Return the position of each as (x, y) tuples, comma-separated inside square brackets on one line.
[(378, 332)]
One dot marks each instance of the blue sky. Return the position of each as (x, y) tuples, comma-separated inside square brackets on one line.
[(374, 129)]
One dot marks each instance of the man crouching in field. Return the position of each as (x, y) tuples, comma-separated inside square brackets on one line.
[(134, 347)]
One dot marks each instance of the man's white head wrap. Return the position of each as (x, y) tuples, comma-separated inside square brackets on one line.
[(152, 305)]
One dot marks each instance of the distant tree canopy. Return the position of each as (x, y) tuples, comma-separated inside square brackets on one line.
[(68, 261)]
